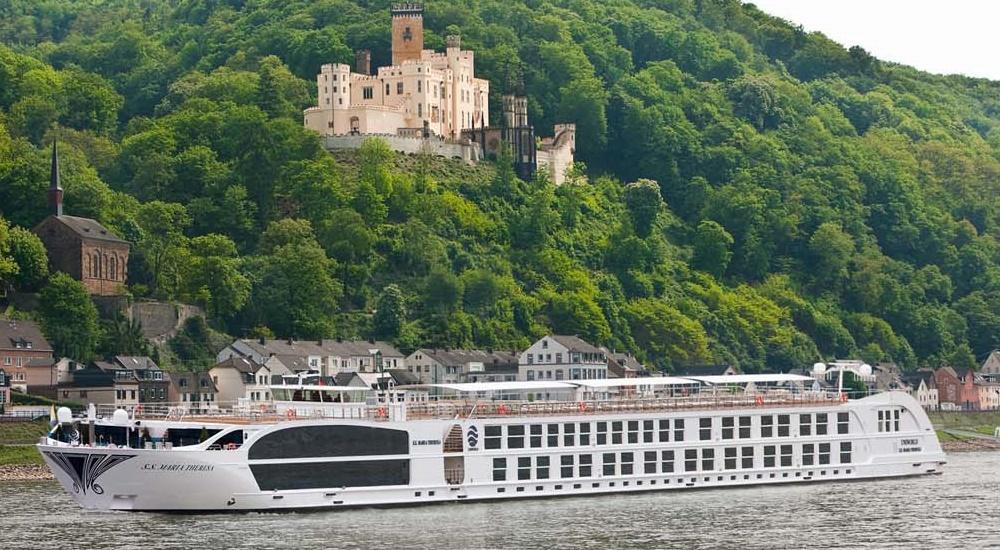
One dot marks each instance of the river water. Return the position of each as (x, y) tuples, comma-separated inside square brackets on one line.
[(959, 509)]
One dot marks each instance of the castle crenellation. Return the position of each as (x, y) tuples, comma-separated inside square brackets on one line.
[(427, 94)]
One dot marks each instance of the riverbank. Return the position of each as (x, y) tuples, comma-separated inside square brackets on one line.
[(25, 472)]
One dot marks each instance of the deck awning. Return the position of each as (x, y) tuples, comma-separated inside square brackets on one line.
[(651, 381), (476, 387), (722, 379)]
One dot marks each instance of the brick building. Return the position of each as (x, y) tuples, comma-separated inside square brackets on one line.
[(21, 342), (949, 387), (4, 391), (81, 247)]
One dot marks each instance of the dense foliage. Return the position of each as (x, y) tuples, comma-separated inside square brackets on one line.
[(751, 193)]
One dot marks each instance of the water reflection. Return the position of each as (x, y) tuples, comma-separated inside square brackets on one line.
[(958, 509)]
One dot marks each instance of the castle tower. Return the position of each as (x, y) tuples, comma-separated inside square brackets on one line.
[(55, 187), (508, 111), (407, 32), (363, 62)]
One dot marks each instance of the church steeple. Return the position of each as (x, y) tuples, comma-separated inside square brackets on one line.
[(55, 189)]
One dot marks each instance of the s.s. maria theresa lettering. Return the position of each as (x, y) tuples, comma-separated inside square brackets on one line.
[(426, 442), (178, 467), (85, 468)]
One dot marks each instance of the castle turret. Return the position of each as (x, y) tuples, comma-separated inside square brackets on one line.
[(55, 186), (407, 32), (363, 62)]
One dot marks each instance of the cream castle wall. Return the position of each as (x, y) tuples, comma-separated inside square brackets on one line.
[(555, 154), (439, 89)]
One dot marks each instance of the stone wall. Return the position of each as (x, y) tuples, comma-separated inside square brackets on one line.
[(468, 152), (161, 320)]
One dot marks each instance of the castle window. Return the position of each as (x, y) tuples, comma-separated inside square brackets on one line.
[(419, 86), (334, 89), (335, 79), (386, 89), (95, 266), (366, 92), (420, 109), (113, 269), (399, 88)]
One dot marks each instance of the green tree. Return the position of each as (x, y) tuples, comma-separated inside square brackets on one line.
[(32, 261), (9, 268), (295, 291), (213, 278), (712, 248), (162, 244), (69, 318), (667, 336), (122, 335), (830, 249), (644, 203), (390, 314)]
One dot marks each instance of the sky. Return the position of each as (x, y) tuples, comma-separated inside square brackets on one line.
[(944, 37)]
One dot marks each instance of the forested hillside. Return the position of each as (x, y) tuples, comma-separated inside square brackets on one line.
[(748, 193)]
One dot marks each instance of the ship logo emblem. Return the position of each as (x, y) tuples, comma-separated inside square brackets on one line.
[(85, 468), (472, 436)]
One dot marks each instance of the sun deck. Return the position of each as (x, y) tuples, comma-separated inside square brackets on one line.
[(514, 399)]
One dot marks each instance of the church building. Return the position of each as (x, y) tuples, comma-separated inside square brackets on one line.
[(81, 247)]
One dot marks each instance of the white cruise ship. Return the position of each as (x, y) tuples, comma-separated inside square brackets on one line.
[(327, 447)]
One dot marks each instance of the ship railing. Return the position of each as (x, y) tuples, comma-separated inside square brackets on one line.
[(454, 476), (485, 409)]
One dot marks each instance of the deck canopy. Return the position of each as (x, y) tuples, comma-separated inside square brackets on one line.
[(645, 382), (319, 387), (478, 387), (722, 379)]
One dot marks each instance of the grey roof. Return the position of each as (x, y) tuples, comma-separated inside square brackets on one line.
[(41, 362), (914, 378), (356, 348), (136, 362), (704, 370), (88, 228), (575, 343), (241, 364), (457, 357), (14, 331), (294, 363), (403, 377), (193, 379)]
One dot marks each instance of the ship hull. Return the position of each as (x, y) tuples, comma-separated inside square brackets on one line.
[(434, 469)]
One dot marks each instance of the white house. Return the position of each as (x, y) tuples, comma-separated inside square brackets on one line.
[(559, 357), (193, 391), (924, 389), (448, 366), (242, 381), (327, 357)]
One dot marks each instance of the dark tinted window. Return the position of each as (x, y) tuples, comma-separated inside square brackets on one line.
[(329, 475), (323, 441)]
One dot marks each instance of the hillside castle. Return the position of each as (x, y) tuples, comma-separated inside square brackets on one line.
[(429, 101)]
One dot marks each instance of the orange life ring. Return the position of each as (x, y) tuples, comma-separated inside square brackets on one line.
[(502, 409), (843, 398), (290, 413), (381, 412), (137, 410), (759, 400), (582, 406)]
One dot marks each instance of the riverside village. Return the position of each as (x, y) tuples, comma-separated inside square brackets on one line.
[(318, 256)]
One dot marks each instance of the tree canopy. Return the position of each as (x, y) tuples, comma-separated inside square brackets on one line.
[(747, 193)]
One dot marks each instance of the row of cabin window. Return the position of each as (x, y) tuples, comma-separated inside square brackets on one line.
[(888, 420), (665, 461), (653, 431)]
